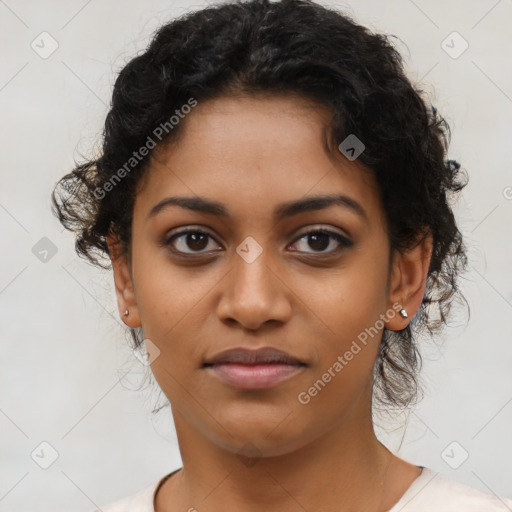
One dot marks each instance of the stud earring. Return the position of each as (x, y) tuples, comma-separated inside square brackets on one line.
[(126, 312), (403, 313)]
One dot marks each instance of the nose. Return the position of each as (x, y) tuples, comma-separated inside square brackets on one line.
[(254, 294)]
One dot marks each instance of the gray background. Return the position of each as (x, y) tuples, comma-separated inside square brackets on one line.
[(63, 351)]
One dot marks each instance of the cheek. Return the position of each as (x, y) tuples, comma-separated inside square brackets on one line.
[(173, 304), (165, 293), (348, 309), (351, 299)]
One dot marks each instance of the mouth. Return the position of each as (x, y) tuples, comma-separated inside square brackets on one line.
[(254, 369)]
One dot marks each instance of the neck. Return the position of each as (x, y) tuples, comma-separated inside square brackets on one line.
[(344, 469)]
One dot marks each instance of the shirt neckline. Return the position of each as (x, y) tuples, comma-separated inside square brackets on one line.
[(157, 488), (418, 483)]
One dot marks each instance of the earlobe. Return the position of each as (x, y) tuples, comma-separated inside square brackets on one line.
[(125, 293), (408, 280)]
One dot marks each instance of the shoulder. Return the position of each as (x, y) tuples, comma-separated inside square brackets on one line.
[(141, 501), (434, 492)]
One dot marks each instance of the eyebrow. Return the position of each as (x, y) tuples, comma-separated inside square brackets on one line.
[(288, 209)]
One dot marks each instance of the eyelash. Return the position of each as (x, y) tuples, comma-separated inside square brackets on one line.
[(344, 242)]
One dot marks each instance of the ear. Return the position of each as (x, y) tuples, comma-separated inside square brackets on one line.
[(123, 281), (408, 280)]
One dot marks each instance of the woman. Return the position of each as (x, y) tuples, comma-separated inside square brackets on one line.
[(244, 136)]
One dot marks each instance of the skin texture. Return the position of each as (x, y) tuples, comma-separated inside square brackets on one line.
[(253, 153)]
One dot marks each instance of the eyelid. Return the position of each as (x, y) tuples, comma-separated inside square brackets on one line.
[(199, 228), (325, 228), (188, 227)]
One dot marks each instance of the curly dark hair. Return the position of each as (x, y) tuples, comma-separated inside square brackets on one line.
[(289, 47)]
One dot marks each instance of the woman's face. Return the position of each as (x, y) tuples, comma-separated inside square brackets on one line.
[(256, 279)]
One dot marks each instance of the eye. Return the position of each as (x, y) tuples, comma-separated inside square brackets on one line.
[(318, 239), (193, 239)]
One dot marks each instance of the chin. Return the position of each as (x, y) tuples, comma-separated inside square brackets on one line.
[(253, 437)]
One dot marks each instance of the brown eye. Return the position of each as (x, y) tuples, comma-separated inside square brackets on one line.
[(321, 239), (190, 241)]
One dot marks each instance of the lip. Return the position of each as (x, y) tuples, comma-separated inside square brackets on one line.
[(261, 368), (262, 355)]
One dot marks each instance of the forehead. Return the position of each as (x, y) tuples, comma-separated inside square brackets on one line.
[(252, 153)]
